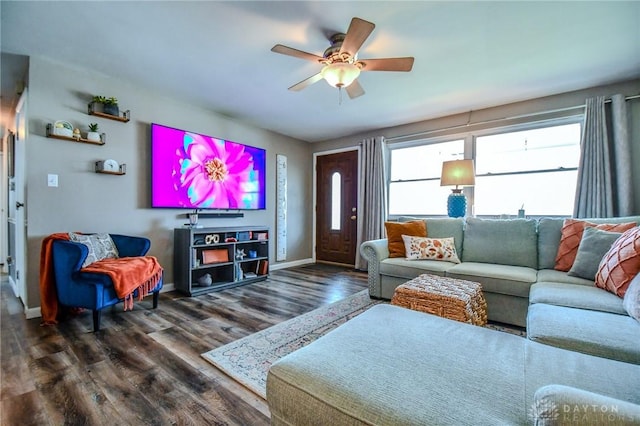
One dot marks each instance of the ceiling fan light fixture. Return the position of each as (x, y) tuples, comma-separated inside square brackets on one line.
[(340, 74)]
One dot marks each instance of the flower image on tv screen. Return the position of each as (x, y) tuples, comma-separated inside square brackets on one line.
[(195, 171)]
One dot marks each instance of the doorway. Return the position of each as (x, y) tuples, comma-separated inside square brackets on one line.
[(337, 207)]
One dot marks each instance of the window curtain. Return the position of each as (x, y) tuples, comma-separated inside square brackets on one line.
[(373, 194), (604, 186)]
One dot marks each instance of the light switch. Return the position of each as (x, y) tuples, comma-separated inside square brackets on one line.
[(52, 180)]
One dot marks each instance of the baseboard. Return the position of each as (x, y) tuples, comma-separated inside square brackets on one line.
[(284, 265), (31, 313), (167, 287)]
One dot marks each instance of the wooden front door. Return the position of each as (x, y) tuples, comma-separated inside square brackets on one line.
[(337, 207)]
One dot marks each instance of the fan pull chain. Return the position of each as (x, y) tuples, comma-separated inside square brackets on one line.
[(339, 95)]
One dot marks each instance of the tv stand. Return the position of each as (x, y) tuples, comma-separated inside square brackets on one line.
[(230, 257)]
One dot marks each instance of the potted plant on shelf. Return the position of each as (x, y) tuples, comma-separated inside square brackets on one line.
[(106, 105), (93, 134), (111, 106)]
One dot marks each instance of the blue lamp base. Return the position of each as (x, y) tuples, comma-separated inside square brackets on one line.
[(456, 204)]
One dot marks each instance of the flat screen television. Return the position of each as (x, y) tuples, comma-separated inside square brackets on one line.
[(194, 171)]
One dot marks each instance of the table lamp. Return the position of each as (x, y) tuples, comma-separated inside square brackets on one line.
[(458, 173)]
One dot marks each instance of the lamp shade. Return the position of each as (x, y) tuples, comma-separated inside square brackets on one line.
[(340, 74), (458, 173)]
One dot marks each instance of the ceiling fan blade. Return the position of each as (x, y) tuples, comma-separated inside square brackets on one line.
[(278, 48), (358, 31), (387, 64), (354, 90), (304, 83)]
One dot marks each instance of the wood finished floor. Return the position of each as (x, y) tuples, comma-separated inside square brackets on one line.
[(144, 366)]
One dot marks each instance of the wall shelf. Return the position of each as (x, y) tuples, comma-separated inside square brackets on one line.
[(124, 117), (99, 168), (50, 134)]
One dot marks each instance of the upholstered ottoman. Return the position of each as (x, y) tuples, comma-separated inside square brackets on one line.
[(450, 298)]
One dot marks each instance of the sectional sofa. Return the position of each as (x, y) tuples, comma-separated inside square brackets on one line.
[(580, 362), (395, 366), (506, 256)]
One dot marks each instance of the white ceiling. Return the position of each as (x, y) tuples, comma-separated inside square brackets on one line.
[(216, 54)]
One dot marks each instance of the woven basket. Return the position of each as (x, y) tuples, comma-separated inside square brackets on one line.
[(450, 298)]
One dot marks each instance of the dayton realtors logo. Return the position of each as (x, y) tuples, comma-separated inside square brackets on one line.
[(548, 412), (544, 412)]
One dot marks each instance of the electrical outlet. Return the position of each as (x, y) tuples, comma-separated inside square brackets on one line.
[(52, 180)]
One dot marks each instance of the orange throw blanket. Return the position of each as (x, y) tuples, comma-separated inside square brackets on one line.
[(129, 274), (48, 295)]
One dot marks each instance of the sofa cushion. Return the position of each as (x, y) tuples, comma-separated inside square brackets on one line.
[(394, 366), (631, 302), (621, 263), (591, 332), (505, 242), (594, 245), (425, 248), (551, 275), (549, 233), (504, 279), (576, 296), (447, 227), (572, 231), (409, 269), (395, 231)]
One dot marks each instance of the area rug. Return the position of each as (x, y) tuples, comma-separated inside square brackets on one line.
[(248, 360)]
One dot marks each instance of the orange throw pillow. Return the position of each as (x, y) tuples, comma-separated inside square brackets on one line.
[(395, 231), (621, 263), (572, 230)]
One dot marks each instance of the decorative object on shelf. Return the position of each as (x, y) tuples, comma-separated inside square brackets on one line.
[(110, 167), (239, 273), (252, 254), (521, 212), (230, 240), (263, 267), (205, 280), (458, 173), (193, 218), (93, 134), (240, 254), (105, 107), (108, 105), (212, 239), (62, 128), (215, 256), (76, 134)]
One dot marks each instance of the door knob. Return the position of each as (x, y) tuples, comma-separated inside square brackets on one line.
[(353, 217), (19, 204)]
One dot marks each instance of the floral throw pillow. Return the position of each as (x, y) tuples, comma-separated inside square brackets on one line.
[(422, 248), (100, 246)]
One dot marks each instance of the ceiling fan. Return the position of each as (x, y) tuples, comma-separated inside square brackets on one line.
[(341, 64)]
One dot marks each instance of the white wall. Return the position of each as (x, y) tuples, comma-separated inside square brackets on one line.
[(89, 202)]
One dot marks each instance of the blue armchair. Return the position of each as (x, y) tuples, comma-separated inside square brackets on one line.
[(90, 290)]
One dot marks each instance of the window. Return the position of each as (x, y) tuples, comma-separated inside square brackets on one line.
[(414, 187), (336, 201), (534, 168)]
